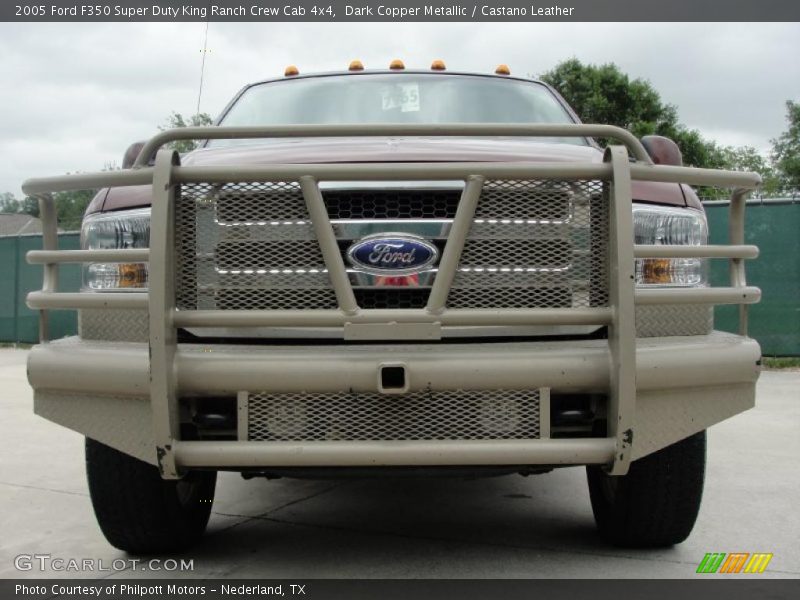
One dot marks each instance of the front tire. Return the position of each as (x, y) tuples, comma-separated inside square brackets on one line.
[(657, 502), (138, 511)]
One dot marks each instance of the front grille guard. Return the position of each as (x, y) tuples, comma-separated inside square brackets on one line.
[(167, 175)]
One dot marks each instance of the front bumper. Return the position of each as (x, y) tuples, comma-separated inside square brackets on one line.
[(683, 385)]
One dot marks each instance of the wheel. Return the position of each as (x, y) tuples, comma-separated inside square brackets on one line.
[(657, 502), (137, 510)]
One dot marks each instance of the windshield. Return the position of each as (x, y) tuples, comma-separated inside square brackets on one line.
[(394, 98)]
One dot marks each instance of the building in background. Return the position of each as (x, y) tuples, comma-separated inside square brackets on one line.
[(19, 224)]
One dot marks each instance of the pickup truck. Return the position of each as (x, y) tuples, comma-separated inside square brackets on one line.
[(367, 273)]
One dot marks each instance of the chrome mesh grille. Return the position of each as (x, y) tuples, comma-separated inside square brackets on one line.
[(539, 244), (539, 200), (532, 244), (255, 202), (424, 415), (554, 254), (496, 297), (242, 255), (276, 299)]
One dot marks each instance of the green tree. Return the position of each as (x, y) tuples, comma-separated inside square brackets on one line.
[(70, 207), (697, 151), (176, 120), (9, 204), (786, 149), (747, 158), (737, 158), (29, 206), (604, 94)]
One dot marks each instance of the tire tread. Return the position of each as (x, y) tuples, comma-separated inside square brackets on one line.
[(656, 504), (137, 510)]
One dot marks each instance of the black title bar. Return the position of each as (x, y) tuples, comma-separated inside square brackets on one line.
[(404, 11), (396, 589)]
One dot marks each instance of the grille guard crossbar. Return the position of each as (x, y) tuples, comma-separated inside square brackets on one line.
[(167, 175)]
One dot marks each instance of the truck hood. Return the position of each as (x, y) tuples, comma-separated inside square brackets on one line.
[(387, 149), (371, 150)]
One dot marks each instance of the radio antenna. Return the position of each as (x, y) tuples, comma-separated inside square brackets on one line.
[(202, 68)]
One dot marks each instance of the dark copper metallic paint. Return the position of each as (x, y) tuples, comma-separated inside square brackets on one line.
[(359, 150)]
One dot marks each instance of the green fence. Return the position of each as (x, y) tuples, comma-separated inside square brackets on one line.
[(774, 226), (18, 323)]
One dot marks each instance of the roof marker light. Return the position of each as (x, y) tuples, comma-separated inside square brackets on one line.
[(502, 70), (438, 65), (356, 65), (291, 71), (397, 65)]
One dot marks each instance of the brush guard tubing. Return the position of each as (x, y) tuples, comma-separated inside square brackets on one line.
[(167, 175)]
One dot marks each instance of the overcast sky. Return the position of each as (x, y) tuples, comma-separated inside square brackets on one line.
[(74, 96)]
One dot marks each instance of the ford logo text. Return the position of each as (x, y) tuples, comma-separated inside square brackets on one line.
[(397, 254)]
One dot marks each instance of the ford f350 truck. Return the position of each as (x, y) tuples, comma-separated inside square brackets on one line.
[(369, 272)]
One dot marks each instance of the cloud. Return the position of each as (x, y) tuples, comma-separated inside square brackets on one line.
[(75, 95)]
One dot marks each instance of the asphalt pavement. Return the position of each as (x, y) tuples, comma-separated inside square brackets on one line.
[(503, 527)]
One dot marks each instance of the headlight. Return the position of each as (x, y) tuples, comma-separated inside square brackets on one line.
[(658, 225), (111, 231)]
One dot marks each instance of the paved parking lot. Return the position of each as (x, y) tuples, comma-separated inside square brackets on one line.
[(504, 527)]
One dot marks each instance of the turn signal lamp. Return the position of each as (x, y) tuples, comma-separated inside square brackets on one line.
[(438, 65), (397, 65), (356, 65), (132, 275), (502, 70), (291, 71), (655, 271)]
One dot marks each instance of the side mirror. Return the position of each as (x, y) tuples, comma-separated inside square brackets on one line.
[(130, 154), (663, 150)]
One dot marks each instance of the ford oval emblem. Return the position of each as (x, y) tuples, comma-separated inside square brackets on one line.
[(392, 254)]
